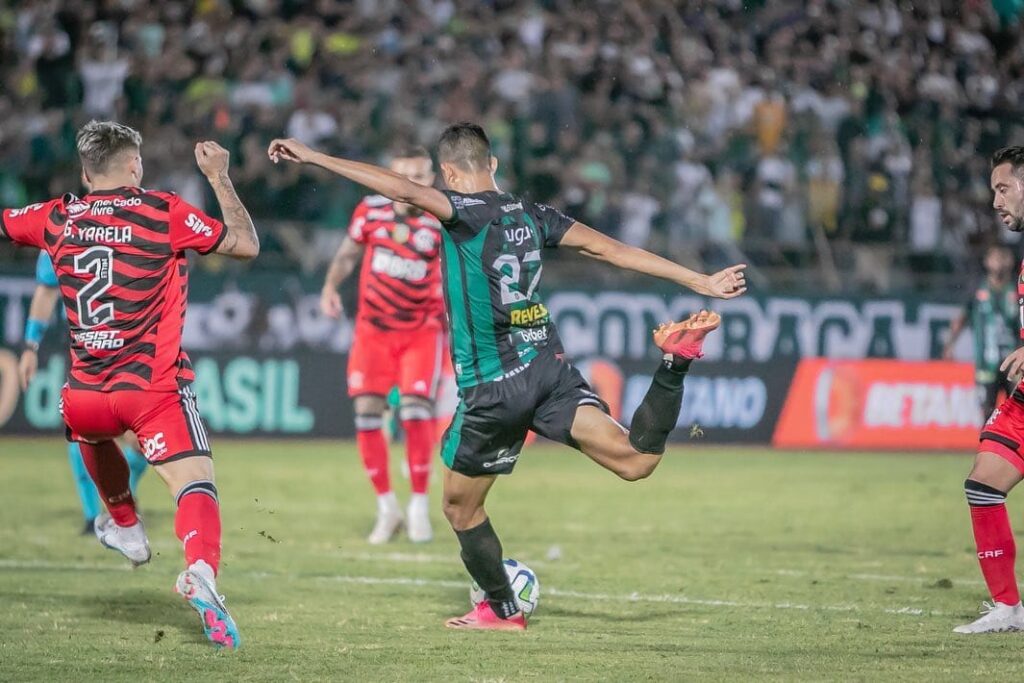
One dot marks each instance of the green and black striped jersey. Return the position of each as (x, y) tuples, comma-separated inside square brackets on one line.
[(492, 266)]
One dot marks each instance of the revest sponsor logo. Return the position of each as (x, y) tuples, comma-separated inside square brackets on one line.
[(531, 315)]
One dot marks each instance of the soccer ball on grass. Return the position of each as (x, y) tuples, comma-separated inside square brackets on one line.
[(524, 584)]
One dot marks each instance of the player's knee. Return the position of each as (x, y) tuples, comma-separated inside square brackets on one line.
[(366, 422), (980, 494), (458, 513), (416, 409), (638, 466)]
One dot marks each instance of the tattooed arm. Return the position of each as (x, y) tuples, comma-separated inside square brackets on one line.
[(240, 238)]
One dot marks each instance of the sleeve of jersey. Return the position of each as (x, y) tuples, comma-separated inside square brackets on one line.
[(555, 224), (358, 223), (27, 225), (190, 228), (469, 214), (45, 274)]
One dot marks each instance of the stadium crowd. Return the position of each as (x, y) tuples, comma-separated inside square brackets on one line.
[(847, 135)]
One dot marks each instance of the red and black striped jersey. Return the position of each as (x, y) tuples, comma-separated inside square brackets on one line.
[(120, 262), (400, 280)]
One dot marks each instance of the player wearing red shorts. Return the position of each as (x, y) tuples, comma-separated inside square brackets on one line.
[(999, 465), (399, 338), (119, 254)]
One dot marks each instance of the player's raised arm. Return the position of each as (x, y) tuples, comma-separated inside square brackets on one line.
[(381, 180), (725, 284), (240, 239)]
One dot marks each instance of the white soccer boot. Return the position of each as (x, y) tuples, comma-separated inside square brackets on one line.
[(389, 520), (130, 541), (418, 519), (996, 617)]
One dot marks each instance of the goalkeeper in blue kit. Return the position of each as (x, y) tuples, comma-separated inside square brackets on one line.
[(44, 300)]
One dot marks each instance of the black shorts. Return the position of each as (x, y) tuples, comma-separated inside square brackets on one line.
[(492, 419)]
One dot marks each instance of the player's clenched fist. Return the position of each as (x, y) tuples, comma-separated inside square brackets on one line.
[(212, 158), (290, 149)]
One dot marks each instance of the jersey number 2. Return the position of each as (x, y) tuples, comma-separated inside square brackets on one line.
[(511, 288), (99, 261)]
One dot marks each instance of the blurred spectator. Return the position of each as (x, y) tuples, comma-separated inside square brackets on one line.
[(666, 123)]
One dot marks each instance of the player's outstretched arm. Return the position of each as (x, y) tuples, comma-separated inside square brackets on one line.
[(392, 185), (342, 265), (725, 284), (241, 240)]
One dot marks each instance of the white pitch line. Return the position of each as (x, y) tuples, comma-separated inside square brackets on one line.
[(555, 592), (887, 578)]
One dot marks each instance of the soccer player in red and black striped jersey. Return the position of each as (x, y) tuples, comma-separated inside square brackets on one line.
[(119, 254), (399, 337), (999, 463)]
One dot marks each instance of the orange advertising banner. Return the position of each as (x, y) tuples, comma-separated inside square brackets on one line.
[(883, 404)]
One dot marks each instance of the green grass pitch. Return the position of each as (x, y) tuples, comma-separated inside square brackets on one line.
[(728, 564)]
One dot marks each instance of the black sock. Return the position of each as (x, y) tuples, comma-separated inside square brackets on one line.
[(481, 553), (658, 412)]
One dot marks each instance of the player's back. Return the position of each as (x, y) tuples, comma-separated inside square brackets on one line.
[(123, 275), (492, 271)]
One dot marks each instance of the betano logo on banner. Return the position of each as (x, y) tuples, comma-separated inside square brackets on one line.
[(880, 404)]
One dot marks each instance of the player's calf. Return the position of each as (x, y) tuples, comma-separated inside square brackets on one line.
[(658, 413)]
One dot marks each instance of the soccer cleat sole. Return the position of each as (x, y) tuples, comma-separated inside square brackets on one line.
[(218, 626), (685, 338)]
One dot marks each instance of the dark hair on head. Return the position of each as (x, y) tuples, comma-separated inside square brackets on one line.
[(409, 152), (466, 145), (100, 142), (1010, 155)]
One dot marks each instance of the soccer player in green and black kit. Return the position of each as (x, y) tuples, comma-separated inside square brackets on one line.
[(992, 312), (509, 366)]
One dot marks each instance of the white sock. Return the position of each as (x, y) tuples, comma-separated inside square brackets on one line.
[(387, 504), (205, 570), (419, 504)]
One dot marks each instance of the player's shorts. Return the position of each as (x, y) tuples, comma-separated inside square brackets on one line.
[(492, 419), (1003, 434), (167, 423), (382, 359)]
